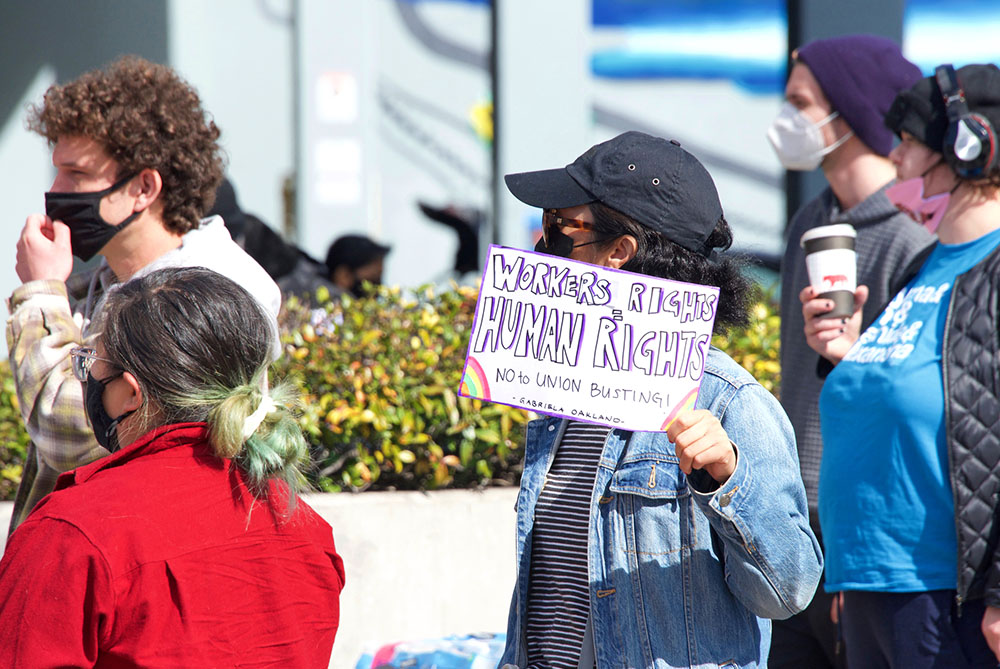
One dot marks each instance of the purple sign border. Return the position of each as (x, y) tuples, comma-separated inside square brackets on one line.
[(475, 320)]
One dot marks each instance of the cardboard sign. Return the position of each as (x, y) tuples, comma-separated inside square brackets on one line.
[(584, 342)]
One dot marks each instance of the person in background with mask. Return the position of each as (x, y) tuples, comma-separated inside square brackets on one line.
[(837, 93), (353, 259), (909, 496), (137, 164)]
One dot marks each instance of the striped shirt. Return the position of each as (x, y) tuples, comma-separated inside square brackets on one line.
[(558, 592)]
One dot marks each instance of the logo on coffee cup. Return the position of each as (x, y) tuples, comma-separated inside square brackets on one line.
[(834, 279)]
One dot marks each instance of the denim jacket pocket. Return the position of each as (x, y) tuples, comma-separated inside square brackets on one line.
[(651, 506), (650, 476)]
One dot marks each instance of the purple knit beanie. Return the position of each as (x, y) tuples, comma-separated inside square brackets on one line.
[(861, 76)]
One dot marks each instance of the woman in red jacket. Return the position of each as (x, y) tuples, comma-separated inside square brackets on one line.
[(187, 545)]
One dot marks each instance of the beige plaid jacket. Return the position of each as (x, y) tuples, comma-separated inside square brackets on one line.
[(47, 319)]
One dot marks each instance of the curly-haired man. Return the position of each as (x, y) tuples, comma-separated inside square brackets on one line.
[(137, 164)]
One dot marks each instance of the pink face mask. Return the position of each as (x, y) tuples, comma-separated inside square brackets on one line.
[(908, 197)]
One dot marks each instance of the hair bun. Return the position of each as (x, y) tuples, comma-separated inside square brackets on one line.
[(253, 421)]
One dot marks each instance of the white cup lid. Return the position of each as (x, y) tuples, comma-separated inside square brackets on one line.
[(835, 230)]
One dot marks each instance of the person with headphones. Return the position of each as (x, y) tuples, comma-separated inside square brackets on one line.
[(909, 491)]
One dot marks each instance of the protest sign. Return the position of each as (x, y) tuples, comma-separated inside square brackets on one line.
[(570, 339)]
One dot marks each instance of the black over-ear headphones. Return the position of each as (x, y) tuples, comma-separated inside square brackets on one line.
[(970, 143)]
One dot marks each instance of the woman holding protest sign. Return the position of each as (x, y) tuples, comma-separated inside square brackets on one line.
[(665, 549)]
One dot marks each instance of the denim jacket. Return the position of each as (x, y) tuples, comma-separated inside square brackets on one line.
[(684, 572)]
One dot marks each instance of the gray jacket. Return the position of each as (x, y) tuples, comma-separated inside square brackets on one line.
[(886, 244)]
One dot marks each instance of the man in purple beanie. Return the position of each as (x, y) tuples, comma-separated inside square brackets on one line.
[(837, 94)]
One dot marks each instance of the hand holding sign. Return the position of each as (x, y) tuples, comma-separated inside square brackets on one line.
[(702, 443)]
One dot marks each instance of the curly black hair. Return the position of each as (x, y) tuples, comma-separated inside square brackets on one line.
[(658, 256), (145, 116)]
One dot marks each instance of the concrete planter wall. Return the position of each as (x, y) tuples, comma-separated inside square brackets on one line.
[(418, 565)]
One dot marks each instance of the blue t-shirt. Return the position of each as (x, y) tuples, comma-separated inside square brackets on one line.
[(885, 500)]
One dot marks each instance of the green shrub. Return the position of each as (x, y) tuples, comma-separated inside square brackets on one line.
[(382, 409), (13, 436), (380, 404), (757, 347)]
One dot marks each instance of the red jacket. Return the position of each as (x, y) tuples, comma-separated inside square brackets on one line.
[(159, 556)]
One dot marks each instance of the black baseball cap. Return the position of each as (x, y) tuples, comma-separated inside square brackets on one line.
[(649, 179), (354, 251)]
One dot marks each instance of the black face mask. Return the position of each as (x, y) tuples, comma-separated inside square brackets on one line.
[(561, 245), (358, 287), (105, 427), (88, 232)]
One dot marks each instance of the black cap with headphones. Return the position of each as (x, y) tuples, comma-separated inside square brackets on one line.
[(954, 113), (970, 143)]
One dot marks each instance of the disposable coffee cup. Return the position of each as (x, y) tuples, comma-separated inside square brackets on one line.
[(832, 265)]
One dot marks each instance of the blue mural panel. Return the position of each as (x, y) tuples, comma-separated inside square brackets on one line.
[(647, 13), (744, 40)]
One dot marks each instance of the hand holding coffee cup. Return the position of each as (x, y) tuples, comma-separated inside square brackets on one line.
[(832, 266)]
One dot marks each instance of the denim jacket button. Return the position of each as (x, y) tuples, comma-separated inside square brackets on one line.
[(724, 499), (551, 427)]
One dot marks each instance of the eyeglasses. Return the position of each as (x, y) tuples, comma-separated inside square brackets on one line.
[(83, 358), (550, 221)]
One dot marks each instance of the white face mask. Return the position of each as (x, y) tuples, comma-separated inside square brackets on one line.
[(798, 141)]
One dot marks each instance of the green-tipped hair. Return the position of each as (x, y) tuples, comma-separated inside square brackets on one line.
[(276, 449), (200, 346)]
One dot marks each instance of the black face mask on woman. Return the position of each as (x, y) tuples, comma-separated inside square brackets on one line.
[(560, 245), (81, 212), (105, 427)]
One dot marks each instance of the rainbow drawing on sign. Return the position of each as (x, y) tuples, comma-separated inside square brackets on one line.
[(474, 381), (686, 403)]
